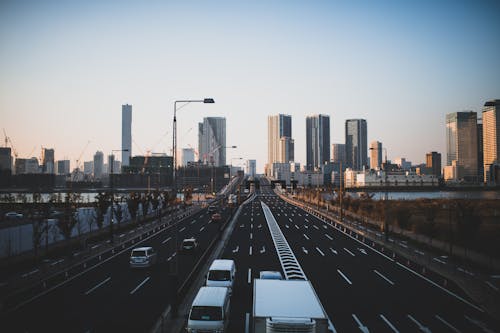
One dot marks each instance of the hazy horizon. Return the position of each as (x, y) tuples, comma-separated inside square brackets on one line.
[(66, 69)]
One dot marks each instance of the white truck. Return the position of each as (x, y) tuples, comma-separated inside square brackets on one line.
[(287, 306)]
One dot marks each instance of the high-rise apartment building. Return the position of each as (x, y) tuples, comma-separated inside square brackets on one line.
[(63, 167), (356, 143), (280, 147), (5, 158), (375, 155), (317, 141), (98, 164), (433, 162), (187, 156), (126, 134), (212, 141), (48, 163), (251, 168), (461, 144), (491, 140), (88, 167), (338, 153), (480, 153)]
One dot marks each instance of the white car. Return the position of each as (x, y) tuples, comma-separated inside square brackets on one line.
[(143, 257), (13, 215)]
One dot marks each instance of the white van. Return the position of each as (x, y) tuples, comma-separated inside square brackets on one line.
[(209, 311), (221, 273)]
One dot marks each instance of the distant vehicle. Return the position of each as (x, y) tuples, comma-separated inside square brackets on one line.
[(221, 273), (212, 209), (271, 275), (13, 215), (216, 217), (143, 257), (246, 191), (209, 311), (189, 245), (287, 306)]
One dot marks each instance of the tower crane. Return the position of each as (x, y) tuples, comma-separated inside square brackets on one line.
[(76, 170), (9, 141)]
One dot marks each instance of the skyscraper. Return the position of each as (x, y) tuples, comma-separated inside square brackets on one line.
[(375, 155), (63, 167), (356, 143), (212, 141), (491, 140), (48, 164), (338, 153), (317, 141), (5, 158), (433, 161), (98, 164), (187, 156), (461, 143), (480, 153), (126, 134), (251, 168), (278, 150)]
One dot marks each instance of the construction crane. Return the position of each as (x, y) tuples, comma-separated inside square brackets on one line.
[(9, 141), (76, 170)]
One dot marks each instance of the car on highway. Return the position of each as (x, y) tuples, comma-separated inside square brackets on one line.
[(270, 275), (216, 217), (212, 209), (221, 273), (209, 311), (189, 245), (143, 257), (13, 215)]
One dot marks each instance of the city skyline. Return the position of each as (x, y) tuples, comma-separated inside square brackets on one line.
[(401, 67)]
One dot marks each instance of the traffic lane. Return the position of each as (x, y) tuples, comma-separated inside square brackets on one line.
[(56, 301), (249, 264), (416, 293)]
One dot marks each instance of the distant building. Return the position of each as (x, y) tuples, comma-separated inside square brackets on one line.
[(48, 163), (88, 167), (98, 165), (126, 134), (402, 163), (461, 144), (251, 170), (280, 145), (32, 166), (491, 140), (317, 141), (212, 141), (187, 156), (5, 158), (338, 153), (370, 178), (63, 167), (433, 162), (480, 152), (356, 143), (375, 155)]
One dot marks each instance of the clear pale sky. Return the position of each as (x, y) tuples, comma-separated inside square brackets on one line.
[(66, 67)]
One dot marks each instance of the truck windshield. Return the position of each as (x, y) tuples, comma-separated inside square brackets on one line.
[(219, 275), (211, 313)]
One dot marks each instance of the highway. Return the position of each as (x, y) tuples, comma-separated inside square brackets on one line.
[(111, 296), (360, 288)]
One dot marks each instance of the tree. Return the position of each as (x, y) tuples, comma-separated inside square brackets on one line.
[(402, 216), (133, 206), (428, 228), (101, 207), (468, 222), (68, 220)]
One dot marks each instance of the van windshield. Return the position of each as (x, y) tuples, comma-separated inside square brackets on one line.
[(219, 275), (138, 253), (211, 313)]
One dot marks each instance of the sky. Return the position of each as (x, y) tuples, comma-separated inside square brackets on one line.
[(66, 67)]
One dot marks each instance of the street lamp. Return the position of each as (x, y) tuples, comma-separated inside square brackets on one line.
[(174, 138), (111, 185)]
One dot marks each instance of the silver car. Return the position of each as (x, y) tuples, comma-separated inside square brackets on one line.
[(143, 257)]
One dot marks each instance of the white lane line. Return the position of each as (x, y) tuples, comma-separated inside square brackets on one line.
[(304, 250), (251, 235), (320, 252), (443, 289), (345, 277), (306, 220), (362, 251), (324, 226), (97, 285), (328, 236), (361, 327), (420, 326), (389, 323), (140, 285), (251, 226), (263, 249), (333, 251), (315, 227), (305, 236), (479, 324), (236, 249), (250, 251), (193, 222), (305, 226), (352, 254), (202, 228), (249, 275), (172, 256), (450, 326), (289, 219), (183, 228), (286, 225), (242, 225), (296, 226), (492, 286), (383, 277), (247, 322)]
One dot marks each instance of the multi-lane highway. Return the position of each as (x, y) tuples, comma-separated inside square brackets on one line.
[(361, 289), (113, 297)]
